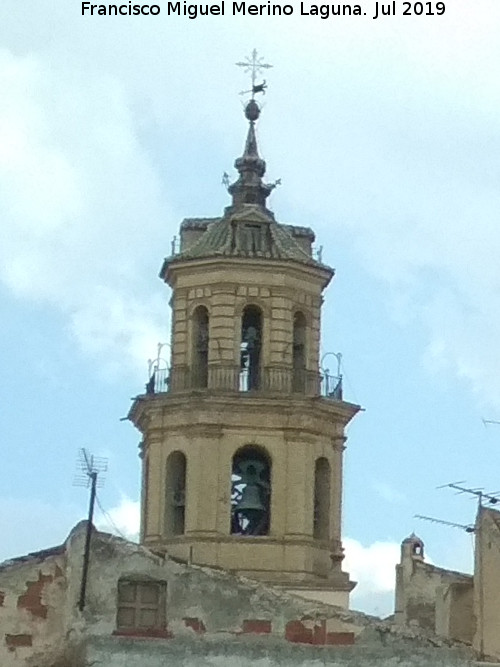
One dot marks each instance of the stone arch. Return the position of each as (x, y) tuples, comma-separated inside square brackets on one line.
[(175, 494), (251, 491), (322, 492)]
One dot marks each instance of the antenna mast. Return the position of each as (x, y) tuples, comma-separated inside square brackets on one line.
[(492, 498), (467, 527), (89, 467)]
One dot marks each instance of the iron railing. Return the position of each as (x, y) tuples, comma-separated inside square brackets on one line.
[(229, 378)]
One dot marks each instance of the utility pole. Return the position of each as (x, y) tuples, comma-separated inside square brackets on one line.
[(89, 469)]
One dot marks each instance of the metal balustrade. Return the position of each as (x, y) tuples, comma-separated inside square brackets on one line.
[(231, 378)]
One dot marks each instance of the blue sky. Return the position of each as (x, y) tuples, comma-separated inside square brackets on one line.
[(386, 136)]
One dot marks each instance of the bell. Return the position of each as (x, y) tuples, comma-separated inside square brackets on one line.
[(250, 500)]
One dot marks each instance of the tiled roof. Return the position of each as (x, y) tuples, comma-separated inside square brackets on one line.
[(230, 236)]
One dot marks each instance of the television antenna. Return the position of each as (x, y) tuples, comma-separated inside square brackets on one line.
[(492, 498), (489, 421), (90, 471), (469, 528)]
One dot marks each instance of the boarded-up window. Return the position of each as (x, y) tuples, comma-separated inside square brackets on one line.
[(141, 605)]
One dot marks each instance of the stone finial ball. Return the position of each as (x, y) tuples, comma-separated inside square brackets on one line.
[(252, 111)]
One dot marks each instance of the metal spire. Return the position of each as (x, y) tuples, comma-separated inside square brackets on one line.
[(253, 65), (249, 188)]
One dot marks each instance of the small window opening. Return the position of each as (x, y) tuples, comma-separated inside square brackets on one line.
[(141, 606), (299, 357), (321, 526), (175, 494), (200, 347), (251, 341), (250, 492)]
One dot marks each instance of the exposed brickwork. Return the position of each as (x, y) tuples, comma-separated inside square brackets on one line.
[(32, 599), (297, 632), (195, 624), (16, 641), (319, 633), (308, 631), (340, 638), (256, 626), (2, 598)]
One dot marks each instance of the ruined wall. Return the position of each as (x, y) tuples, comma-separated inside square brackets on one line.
[(32, 603), (487, 582), (455, 611), (212, 617), (430, 597), (217, 618)]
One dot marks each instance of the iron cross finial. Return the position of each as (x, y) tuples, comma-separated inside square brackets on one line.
[(254, 65)]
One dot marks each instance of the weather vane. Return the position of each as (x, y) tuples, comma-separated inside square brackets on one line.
[(254, 65)]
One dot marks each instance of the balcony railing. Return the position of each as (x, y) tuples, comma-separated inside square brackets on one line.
[(270, 379)]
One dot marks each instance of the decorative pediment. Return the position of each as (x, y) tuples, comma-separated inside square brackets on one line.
[(252, 213)]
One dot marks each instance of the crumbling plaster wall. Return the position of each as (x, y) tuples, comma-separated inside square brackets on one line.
[(213, 618), (32, 603), (455, 611), (211, 600), (418, 587)]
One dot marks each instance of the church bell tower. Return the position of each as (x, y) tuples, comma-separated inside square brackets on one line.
[(243, 435)]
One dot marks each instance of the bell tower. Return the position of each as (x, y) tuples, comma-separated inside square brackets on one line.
[(243, 436)]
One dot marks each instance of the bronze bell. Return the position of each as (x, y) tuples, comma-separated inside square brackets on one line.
[(250, 500)]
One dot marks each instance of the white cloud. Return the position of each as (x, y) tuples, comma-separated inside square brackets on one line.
[(110, 326), (123, 519), (387, 492), (81, 207), (415, 185), (373, 567)]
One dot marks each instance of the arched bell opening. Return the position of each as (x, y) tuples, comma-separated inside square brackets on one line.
[(175, 494), (251, 345), (251, 492), (322, 474), (200, 347), (418, 549), (299, 352)]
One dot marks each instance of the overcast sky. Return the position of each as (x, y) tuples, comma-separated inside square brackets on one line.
[(386, 135)]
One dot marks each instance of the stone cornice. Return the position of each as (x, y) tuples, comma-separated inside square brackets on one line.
[(320, 273), (167, 412)]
